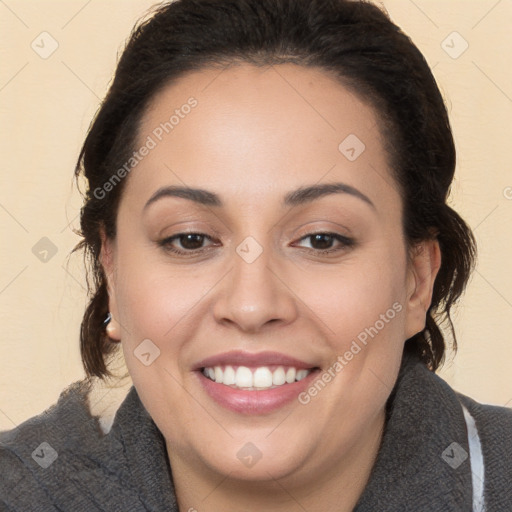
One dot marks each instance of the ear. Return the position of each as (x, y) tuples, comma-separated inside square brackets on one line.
[(424, 264), (107, 262)]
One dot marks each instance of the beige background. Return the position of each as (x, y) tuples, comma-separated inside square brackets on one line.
[(46, 105)]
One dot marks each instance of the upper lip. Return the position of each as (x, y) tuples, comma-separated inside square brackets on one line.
[(242, 358)]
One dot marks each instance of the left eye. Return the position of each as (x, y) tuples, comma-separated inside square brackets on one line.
[(186, 242), (326, 242)]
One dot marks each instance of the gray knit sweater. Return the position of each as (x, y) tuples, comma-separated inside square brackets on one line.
[(61, 461)]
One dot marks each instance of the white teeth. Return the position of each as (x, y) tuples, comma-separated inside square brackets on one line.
[(290, 375), (243, 377), (301, 374), (262, 378), (278, 377), (257, 378), (229, 376)]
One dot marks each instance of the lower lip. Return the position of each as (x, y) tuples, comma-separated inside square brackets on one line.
[(255, 402)]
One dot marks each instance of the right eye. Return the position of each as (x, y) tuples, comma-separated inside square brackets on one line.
[(186, 243)]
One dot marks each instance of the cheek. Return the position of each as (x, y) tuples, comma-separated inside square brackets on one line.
[(155, 301), (358, 295), (157, 304)]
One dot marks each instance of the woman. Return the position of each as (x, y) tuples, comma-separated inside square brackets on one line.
[(267, 223)]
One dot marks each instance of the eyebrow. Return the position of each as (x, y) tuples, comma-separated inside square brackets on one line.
[(308, 194), (193, 194), (295, 198)]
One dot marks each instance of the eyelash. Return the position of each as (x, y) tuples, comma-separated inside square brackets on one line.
[(166, 244)]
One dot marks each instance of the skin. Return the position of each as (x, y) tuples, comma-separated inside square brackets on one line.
[(255, 135)]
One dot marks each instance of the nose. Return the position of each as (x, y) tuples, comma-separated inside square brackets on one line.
[(254, 296)]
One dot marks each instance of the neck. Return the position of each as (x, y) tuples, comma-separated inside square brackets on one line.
[(336, 483)]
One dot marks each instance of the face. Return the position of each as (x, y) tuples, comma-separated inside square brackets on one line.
[(260, 273)]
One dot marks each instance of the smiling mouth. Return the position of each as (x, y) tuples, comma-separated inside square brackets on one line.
[(255, 379)]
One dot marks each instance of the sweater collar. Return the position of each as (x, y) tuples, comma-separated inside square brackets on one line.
[(419, 466), (422, 463), (148, 461)]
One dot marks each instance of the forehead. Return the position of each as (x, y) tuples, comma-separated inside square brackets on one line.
[(255, 131)]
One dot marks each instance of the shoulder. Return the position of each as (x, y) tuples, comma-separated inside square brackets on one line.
[(494, 427), (491, 435), (63, 459), (491, 416), (28, 451), (56, 422), (494, 423)]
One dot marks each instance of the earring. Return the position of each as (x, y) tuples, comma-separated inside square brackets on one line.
[(112, 328)]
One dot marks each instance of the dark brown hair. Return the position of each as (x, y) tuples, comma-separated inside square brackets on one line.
[(353, 40)]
